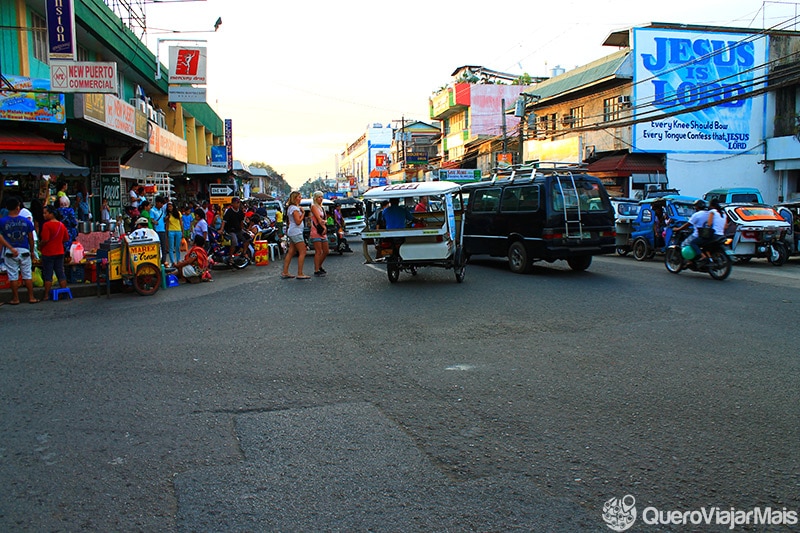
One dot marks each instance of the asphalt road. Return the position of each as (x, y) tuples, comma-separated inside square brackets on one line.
[(507, 402)]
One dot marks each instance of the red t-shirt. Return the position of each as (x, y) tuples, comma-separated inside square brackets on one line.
[(54, 235)]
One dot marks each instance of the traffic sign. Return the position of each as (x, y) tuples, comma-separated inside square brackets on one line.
[(220, 190)]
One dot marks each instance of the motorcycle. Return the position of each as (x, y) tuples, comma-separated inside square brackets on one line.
[(718, 266), (219, 257)]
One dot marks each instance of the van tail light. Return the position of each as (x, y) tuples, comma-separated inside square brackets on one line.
[(551, 234), (608, 233), (440, 238)]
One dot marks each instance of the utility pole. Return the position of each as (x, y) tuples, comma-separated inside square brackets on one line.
[(505, 137)]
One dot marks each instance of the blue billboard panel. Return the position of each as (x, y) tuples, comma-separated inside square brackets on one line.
[(694, 89)]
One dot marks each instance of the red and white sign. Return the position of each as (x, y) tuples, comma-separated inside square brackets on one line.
[(83, 77), (187, 64)]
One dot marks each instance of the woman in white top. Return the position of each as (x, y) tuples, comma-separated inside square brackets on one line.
[(294, 234)]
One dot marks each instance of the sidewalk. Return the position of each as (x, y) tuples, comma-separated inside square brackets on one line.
[(78, 290)]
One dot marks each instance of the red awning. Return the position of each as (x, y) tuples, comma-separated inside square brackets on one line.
[(25, 142), (628, 164)]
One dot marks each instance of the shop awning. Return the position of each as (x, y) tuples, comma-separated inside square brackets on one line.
[(18, 141), (24, 164), (204, 170), (627, 164)]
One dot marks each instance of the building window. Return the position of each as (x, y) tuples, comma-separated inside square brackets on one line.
[(611, 109), (576, 117), (83, 54), (39, 34)]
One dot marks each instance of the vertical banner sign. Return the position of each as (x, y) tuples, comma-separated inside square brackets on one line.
[(187, 64), (709, 74), (61, 30), (229, 142)]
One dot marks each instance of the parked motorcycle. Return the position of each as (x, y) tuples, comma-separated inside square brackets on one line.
[(678, 257), (219, 257)]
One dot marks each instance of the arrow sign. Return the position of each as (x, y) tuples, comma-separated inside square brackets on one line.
[(220, 190)]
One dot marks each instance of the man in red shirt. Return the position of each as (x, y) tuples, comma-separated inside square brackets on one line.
[(51, 246)]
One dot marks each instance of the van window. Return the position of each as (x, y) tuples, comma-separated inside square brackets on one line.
[(585, 195), (744, 198), (523, 198), (485, 200)]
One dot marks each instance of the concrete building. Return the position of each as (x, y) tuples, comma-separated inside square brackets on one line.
[(365, 162)]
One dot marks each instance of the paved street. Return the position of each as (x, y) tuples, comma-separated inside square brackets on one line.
[(507, 402)]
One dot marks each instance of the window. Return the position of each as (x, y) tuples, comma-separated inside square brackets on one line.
[(485, 200), (611, 109), (576, 114), (523, 198), (83, 54), (585, 195), (39, 34)]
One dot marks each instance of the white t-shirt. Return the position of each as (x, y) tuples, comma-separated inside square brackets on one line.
[(134, 198), (200, 228), (718, 223), (294, 228)]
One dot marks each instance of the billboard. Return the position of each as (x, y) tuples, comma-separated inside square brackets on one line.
[(61, 30), (32, 101), (83, 77), (710, 76)]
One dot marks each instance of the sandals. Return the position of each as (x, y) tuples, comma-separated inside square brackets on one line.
[(286, 276), (303, 277)]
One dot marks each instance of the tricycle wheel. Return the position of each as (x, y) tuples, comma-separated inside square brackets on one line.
[(622, 251), (641, 249), (518, 260), (147, 279), (778, 255), (459, 264), (393, 271)]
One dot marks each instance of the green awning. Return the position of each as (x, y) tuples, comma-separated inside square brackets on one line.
[(25, 164)]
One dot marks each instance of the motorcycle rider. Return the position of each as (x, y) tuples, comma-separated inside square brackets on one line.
[(233, 221), (701, 218)]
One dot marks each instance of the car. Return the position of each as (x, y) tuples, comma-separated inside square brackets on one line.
[(735, 195), (558, 213)]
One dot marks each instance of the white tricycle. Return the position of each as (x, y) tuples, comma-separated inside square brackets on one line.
[(432, 235)]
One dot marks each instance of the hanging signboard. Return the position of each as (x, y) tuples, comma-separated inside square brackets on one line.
[(187, 64), (61, 29), (34, 106), (179, 93)]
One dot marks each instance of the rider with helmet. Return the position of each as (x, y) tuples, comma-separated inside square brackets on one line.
[(702, 218)]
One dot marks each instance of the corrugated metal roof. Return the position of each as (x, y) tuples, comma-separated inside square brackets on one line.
[(616, 65)]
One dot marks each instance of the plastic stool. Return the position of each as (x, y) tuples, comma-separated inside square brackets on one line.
[(274, 251), (54, 293)]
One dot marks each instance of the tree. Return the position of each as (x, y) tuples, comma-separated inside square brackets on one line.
[(277, 181)]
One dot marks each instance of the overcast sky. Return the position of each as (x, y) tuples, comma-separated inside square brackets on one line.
[(302, 80)]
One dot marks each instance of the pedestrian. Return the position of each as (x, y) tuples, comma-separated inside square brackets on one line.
[(217, 221), (200, 224), (51, 246), (158, 217), (294, 234), (83, 207), (187, 220), (319, 233), (144, 212), (134, 196), (209, 209), (105, 212), (67, 217), (174, 233), (194, 267), (16, 235)]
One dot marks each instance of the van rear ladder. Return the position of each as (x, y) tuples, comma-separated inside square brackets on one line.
[(573, 228)]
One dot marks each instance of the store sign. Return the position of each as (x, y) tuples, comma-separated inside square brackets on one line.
[(109, 165), (61, 42), (219, 157), (187, 64), (109, 111), (710, 75), (459, 175), (110, 189), (229, 143), (83, 77), (167, 144), (417, 158), (187, 94), (31, 106)]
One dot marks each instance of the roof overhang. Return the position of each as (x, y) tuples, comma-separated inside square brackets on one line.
[(31, 164)]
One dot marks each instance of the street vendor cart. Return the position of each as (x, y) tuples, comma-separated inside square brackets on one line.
[(141, 261)]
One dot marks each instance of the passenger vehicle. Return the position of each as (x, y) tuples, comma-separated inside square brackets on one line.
[(272, 207), (434, 239), (353, 214), (790, 212), (625, 212), (757, 231), (539, 214), (735, 195), (652, 228)]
